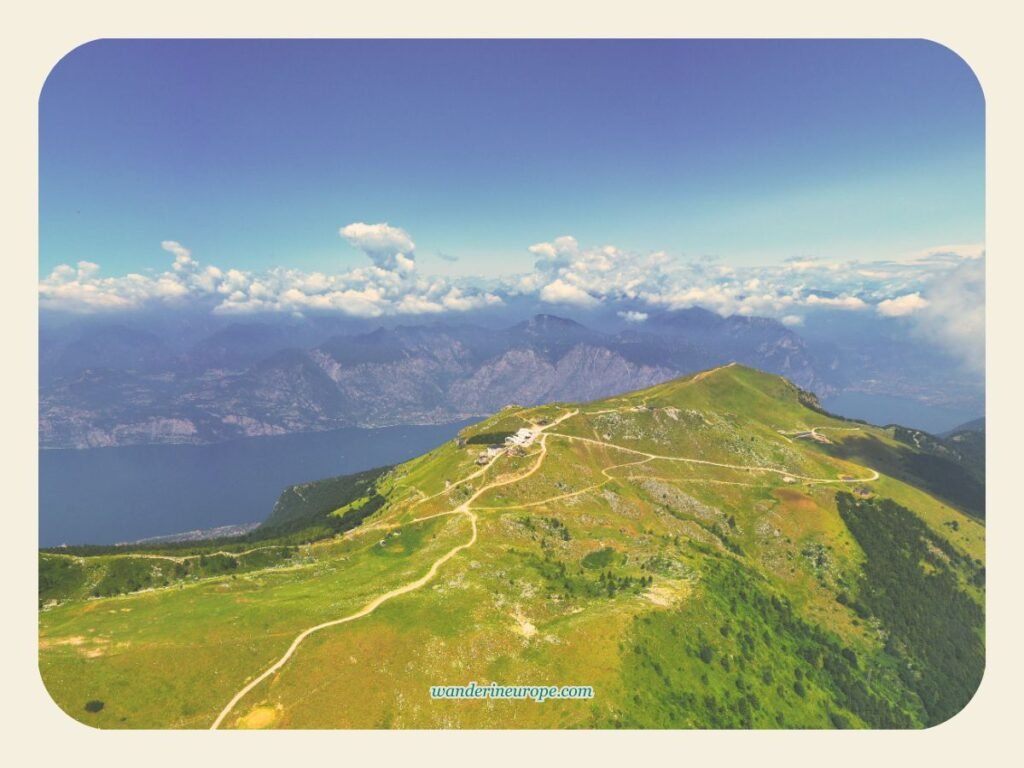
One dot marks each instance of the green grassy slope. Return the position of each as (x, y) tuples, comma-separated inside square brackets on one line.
[(710, 552)]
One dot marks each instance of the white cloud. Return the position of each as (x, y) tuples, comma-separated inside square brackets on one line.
[(836, 302), (808, 265), (561, 292), (87, 270), (792, 320), (182, 255), (544, 251), (902, 305), (564, 246), (456, 300), (632, 316), (82, 289), (418, 305), (955, 315), (960, 251), (389, 248)]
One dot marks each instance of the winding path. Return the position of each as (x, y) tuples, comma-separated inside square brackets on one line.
[(464, 509), (741, 467), (366, 610)]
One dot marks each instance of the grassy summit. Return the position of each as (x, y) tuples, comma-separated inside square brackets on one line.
[(710, 552)]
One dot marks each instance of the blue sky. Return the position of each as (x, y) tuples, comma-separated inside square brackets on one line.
[(253, 153), (414, 178)]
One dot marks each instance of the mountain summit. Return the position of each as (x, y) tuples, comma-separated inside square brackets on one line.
[(714, 551), (551, 324)]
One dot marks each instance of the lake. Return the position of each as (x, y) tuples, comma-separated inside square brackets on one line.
[(885, 409), (109, 495)]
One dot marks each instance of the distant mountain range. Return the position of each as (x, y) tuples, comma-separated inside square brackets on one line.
[(114, 385)]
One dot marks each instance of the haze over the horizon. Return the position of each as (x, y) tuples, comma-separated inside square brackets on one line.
[(421, 177)]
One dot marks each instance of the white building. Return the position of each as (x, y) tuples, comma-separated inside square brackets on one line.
[(521, 438)]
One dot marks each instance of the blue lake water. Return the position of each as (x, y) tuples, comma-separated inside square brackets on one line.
[(884, 409), (108, 495)]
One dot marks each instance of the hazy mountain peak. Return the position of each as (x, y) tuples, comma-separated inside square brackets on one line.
[(544, 323)]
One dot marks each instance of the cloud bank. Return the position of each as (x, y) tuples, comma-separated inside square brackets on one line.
[(954, 315), (389, 285), (939, 290), (566, 273)]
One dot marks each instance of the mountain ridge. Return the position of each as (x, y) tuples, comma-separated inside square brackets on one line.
[(696, 551), (401, 375)]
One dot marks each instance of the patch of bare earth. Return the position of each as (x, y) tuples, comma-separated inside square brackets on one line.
[(668, 593), (260, 717), (523, 625)]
